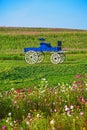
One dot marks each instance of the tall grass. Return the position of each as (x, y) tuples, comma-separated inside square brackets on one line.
[(76, 40)]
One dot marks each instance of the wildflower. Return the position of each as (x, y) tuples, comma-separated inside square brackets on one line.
[(79, 82), (77, 76), (66, 108), (68, 113), (15, 121), (38, 115), (11, 124), (52, 122), (83, 100), (81, 113), (9, 114), (4, 128), (43, 79), (86, 77), (27, 122), (55, 110), (7, 120), (55, 92), (54, 103), (29, 114), (71, 107)]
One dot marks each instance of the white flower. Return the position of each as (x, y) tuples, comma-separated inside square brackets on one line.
[(55, 110), (27, 122), (55, 92), (38, 115), (71, 107), (68, 113), (7, 121), (43, 79), (86, 84), (9, 114), (52, 122), (66, 108), (54, 103), (11, 124)]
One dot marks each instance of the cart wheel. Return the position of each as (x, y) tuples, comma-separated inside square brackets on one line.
[(62, 57), (40, 57), (31, 57), (55, 58)]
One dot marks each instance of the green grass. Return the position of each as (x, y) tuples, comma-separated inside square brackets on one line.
[(18, 74), (14, 72), (30, 101)]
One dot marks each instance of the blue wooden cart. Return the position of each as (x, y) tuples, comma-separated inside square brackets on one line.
[(36, 55)]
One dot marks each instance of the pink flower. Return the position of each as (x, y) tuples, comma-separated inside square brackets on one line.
[(4, 128), (77, 76), (83, 100), (81, 113), (79, 82), (86, 77)]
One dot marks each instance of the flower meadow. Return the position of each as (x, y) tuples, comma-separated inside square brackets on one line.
[(62, 107)]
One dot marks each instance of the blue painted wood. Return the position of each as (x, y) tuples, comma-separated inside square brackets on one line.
[(45, 47)]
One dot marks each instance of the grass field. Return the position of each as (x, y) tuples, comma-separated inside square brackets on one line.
[(43, 96), (14, 72)]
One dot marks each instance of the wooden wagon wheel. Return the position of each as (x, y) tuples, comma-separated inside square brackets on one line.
[(62, 57), (31, 57), (40, 57), (55, 58)]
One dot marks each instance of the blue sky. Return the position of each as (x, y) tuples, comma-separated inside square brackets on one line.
[(44, 13)]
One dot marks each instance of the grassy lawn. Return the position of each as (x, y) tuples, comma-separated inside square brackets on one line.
[(19, 74)]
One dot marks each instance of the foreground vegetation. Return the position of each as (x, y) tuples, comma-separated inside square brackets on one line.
[(63, 107)]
